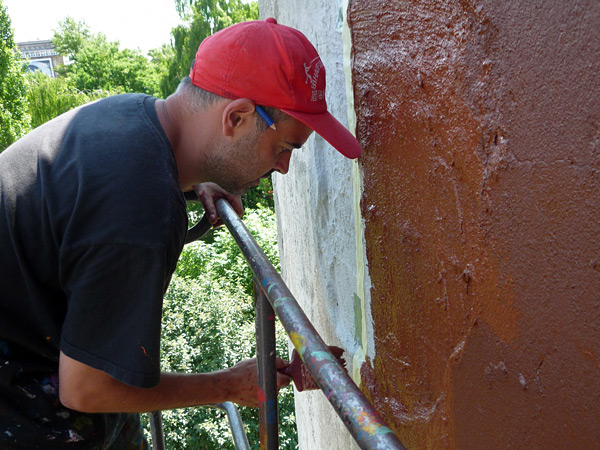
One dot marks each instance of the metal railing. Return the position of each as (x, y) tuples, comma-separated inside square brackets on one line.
[(240, 439), (274, 298)]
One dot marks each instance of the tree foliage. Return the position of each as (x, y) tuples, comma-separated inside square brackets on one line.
[(201, 19), (99, 64), (96, 68), (49, 97), (14, 120), (208, 324), (71, 37)]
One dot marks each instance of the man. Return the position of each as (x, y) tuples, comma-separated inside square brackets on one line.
[(92, 221)]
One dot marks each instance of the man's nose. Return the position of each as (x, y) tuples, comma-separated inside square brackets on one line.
[(282, 165)]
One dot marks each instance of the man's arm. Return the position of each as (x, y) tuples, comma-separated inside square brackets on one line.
[(86, 389)]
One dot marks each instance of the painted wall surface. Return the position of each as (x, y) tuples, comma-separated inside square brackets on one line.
[(480, 122), (315, 215)]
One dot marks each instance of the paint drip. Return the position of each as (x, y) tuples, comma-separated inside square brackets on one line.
[(299, 373)]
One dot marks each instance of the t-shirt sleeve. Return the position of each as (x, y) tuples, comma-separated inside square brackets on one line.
[(114, 309)]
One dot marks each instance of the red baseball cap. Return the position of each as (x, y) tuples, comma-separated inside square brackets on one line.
[(275, 66)]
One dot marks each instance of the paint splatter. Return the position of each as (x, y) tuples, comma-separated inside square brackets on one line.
[(27, 393), (371, 425), (74, 437), (323, 356), (279, 302), (49, 389), (144, 349), (298, 341), (262, 398), (272, 412), (523, 381)]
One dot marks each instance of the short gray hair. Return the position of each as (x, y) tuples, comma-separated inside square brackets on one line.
[(196, 99)]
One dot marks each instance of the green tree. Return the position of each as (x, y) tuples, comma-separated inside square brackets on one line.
[(262, 195), (208, 324), (98, 68), (160, 59), (48, 97), (71, 37), (99, 64), (14, 121), (201, 19)]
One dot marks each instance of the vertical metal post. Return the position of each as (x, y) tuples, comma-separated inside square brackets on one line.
[(156, 430), (267, 371)]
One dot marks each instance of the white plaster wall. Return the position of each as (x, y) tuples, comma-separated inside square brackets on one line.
[(315, 217)]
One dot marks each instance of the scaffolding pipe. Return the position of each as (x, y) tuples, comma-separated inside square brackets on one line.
[(156, 430), (267, 371), (240, 439), (362, 420)]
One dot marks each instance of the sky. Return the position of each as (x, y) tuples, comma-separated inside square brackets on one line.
[(143, 24)]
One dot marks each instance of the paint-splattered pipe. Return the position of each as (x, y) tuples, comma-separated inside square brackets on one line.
[(362, 420), (267, 371)]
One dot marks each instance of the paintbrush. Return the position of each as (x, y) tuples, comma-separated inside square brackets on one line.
[(298, 372)]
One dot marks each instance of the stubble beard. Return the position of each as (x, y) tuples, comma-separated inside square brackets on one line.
[(231, 164)]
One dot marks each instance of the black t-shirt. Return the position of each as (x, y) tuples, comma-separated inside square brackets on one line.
[(92, 222)]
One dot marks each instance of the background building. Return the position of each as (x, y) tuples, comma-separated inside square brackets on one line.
[(42, 56)]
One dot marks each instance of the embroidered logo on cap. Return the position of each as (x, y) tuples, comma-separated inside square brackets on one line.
[(312, 71)]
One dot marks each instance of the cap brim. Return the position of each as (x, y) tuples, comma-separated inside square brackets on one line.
[(331, 130)]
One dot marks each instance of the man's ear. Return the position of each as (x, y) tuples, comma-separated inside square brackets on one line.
[(237, 115)]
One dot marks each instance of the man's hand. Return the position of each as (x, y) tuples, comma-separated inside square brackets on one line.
[(208, 193), (242, 383)]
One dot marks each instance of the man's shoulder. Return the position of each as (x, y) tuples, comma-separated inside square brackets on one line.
[(117, 105), (125, 121), (95, 118)]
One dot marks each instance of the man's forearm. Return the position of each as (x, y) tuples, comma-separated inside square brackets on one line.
[(86, 389)]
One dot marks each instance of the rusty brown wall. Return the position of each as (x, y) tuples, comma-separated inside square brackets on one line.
[(481, 127)]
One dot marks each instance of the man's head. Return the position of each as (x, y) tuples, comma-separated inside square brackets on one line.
[(276, 67), (227, 142), (213, 123)]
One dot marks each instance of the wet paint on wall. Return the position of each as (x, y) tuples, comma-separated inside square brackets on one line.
[(480, 123)]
